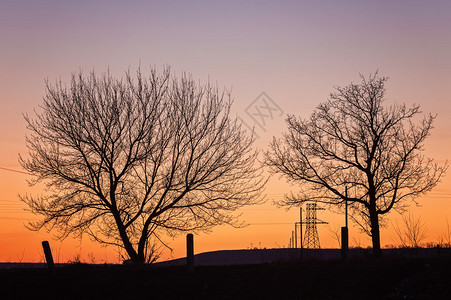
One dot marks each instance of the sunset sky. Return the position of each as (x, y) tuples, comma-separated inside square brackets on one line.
[(293, 51)]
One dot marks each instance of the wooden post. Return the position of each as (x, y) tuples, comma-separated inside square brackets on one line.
[(344, 244), (190, 251), (344, 232), (48, 255)]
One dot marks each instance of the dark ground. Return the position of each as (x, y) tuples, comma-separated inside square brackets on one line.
[(374, 279)]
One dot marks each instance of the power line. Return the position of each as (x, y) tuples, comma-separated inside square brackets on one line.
[(267, 223), (16, 171), (14, 218)]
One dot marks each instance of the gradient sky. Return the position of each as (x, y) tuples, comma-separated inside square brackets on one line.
[(294, 51)]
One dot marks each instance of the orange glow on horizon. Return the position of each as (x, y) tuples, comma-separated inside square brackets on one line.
[(267, 226)]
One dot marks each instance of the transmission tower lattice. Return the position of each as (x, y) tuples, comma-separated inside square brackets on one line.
[(311, 239)]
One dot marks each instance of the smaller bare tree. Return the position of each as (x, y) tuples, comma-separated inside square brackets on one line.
[(356, 243), (335, 233), (412, 233), (445, 238)]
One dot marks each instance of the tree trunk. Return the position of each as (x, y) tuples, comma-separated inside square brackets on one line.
[(132, 254), (375, 234), (141, 258), (134, 257)]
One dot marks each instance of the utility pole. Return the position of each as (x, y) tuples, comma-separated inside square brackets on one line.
[(300, 225), (295, 235), (346, 208)]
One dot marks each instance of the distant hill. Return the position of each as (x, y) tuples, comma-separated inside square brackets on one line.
[(263, 256), (260, 256)]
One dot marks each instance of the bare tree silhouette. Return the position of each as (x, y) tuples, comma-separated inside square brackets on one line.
[(335, 233), (354, 142), (125, 160), (445, 237), (412, 233)]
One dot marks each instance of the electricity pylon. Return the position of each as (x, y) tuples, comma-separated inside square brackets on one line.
[(311, 239)]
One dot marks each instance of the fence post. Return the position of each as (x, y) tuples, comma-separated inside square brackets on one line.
[(48, 255), (190, 252), (344, 244)]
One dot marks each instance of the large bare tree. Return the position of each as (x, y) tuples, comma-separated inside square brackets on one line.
[(126, 160), (354, 142)]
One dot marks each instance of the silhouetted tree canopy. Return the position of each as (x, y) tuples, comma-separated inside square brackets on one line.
[(356, 142), (126, 160)]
